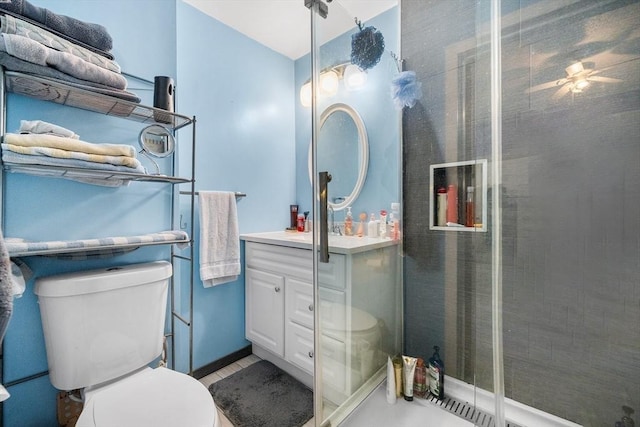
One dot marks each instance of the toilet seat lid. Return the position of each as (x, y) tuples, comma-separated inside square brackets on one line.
[(156, 397), (361, 320)]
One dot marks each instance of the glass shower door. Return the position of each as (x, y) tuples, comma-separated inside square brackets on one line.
[(356, 151)]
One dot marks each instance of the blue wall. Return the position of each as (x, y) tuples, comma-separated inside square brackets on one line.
[(241, 94), (375, 106)]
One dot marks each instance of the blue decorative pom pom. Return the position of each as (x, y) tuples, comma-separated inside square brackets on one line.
[(367, 46), (406, 89)]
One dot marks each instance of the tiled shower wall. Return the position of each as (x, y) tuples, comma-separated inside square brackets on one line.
[(570, 196)]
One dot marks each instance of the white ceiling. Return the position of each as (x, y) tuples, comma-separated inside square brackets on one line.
[(284, 25)]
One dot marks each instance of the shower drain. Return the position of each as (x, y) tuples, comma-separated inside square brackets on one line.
[(467, 411)]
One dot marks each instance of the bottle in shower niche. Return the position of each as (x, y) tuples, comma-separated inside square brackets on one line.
[(441, 206), (452, 204), (469, 209), (436, 374)]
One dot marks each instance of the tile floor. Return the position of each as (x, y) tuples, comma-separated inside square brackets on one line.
[(225, 372)]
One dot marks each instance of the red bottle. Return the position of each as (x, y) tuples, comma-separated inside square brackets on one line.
[(452, 204)]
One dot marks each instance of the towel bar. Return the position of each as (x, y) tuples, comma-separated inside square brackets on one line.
[(238, 194)]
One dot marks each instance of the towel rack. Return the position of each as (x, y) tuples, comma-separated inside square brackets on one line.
[(195, 193)]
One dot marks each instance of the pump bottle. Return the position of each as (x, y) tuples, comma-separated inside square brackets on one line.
[(348, 223)]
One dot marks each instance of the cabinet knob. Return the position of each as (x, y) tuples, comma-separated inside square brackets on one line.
[(277, 289), (311, 354), (310, 307)]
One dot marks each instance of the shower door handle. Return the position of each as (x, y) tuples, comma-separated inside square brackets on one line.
[(324, 180)]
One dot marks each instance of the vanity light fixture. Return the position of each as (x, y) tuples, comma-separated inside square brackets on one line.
[(351, 75)]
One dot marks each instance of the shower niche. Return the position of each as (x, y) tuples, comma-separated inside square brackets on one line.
[(458, 192)]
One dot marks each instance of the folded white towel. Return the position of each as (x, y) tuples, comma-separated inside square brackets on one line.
[(42, 127), (219, 238)]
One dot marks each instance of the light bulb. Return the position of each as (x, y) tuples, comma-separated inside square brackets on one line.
[(305, 95), (329, 83), (354, 77), (579, 85)]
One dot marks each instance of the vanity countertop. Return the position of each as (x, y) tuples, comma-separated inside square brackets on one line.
[(337, 244)]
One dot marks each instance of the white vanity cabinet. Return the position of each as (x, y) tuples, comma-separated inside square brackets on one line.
[(358, 282), (279, 299)]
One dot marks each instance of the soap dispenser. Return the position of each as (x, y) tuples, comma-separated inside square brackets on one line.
[(348, 223)]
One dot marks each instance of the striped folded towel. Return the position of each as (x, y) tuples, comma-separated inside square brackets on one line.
[(69, 144), (64, 154)]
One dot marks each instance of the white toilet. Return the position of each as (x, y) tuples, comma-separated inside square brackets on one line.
[(102, 329), (361, 350)]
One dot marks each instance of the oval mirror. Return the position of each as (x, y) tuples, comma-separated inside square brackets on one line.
[(343, 151), (157, 141)]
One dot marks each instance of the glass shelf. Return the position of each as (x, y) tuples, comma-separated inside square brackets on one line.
[(61, 93)]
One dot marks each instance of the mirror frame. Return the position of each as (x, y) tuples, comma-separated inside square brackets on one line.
[(363, 143), (157, 130)]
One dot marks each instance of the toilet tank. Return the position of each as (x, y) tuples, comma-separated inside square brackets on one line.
[(101, 324)]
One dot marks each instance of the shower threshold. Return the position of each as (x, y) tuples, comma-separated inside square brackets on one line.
[(453, 411)]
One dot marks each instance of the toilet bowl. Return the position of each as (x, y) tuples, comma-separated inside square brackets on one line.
[(151, 397), (361, 351), (103, 329)]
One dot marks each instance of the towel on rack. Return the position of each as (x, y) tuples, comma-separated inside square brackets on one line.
[(219, 238), (12, 25), (94, 35), (6, 288), (64, 154), (69, 144), (43, 90), (31, 51), (40, 127)]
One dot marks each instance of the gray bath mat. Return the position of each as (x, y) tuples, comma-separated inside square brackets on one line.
[(263, 395)]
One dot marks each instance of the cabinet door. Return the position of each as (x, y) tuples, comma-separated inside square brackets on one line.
[(265, 310)]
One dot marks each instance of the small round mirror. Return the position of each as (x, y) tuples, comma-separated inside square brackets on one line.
[(343, 151), (157, 141)]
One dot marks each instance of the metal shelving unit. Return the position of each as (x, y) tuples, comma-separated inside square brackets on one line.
[(69, 95)]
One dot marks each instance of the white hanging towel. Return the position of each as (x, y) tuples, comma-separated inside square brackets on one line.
[(219, 238)]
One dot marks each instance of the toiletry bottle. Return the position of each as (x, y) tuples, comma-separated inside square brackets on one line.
[(436, 374), (395, 210), (363, 218), (383, 223), (307, 226), (420, 379), (441, 216), (391, 224), (293, 210), (391, 382), (397, 369), (348, 223), (372, 227), (452, 204), (470, 214), (301, 223)]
